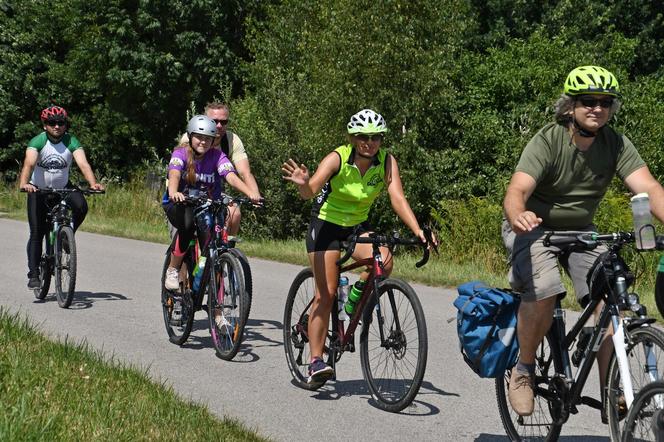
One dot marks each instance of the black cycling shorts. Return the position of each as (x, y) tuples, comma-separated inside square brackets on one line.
[(324, 235)]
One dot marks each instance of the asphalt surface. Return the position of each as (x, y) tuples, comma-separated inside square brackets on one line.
[(117, 310)]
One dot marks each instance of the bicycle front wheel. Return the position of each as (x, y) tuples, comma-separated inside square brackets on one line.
[(296, 329), (541, 424), (227, 305), (45, 270), (248, 282), (177, 305), (645, 355), (393, 345), (646, 415), (65, 266)]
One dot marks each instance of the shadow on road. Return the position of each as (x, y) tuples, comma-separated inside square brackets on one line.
[(84, 300), (335, 390), (502, 438)]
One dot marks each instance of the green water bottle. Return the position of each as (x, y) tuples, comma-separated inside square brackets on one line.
[(354, 296)]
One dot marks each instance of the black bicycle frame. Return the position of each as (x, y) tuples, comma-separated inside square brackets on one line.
[(561, 343)]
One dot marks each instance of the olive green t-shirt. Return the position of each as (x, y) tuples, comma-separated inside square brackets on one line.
[(570, 182)]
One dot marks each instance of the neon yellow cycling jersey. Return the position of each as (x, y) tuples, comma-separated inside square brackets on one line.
[(346, 198)]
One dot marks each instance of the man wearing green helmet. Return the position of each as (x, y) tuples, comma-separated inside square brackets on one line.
[(346, 183), (562, 175)]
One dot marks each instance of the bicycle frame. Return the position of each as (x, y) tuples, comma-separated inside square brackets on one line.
[(376, 275), (610, 315)]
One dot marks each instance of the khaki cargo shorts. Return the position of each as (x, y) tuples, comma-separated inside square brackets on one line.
[(535, 269)]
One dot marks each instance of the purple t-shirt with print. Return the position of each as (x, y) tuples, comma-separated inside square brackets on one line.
[(211, 170)]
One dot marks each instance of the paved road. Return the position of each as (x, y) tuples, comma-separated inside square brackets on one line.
[(116, 309)]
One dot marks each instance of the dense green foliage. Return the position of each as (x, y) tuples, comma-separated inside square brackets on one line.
[(463, 83)]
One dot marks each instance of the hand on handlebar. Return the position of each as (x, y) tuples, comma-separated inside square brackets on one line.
[(30, 188), (524, 222), (177, 197), (97, 186)]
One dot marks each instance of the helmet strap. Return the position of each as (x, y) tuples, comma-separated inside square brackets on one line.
[(583, 132)]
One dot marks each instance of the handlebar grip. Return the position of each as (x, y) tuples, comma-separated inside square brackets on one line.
[(424, 260)]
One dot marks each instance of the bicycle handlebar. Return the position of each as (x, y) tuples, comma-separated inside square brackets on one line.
[(67, 190), (590, 240), (389, 240), (223, 199)]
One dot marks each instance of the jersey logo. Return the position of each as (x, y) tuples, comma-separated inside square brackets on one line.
[(176, 162), (53, 162), (374, 181)]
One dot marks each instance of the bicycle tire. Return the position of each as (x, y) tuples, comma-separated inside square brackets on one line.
[(65, 266), (178, 330), (45, 270), (227, 305), (296, 321), (394, 369), (638, 424), (248, 281), (635, 341), (541, 424), (659, 292)]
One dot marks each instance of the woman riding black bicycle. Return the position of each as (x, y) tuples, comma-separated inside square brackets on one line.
[(47, 162), (347, 181), (195, 167)]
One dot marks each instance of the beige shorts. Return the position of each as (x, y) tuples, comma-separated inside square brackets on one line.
[(535, 269)]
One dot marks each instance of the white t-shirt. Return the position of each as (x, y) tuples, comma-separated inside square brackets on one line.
[(54, 160)]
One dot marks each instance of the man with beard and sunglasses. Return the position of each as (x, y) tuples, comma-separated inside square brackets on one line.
[(562, 175), (48, 158)]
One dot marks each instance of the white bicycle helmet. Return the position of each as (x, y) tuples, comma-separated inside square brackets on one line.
[(367, 121), (200, 124)]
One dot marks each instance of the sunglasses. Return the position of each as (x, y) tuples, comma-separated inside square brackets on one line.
[(592, 102), (222, 122), (55, 123), (367, 137)]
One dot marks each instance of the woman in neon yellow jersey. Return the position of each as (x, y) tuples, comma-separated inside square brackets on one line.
[(345, 185)]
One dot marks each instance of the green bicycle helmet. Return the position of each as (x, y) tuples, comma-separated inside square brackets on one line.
[(367, 121), (591, 80)]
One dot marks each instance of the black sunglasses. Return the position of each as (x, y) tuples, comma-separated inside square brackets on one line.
[(222, 122), (592, 102), (56, 123), (367, 137)]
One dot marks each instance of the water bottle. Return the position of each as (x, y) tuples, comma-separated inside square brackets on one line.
[(354, 296), (584, 338), (342, 296), (198, 272), (643, 228)]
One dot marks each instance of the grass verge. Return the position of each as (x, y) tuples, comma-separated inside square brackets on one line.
[(61, 391)]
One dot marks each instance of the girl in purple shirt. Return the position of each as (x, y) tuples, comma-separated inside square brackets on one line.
[(196, 166)]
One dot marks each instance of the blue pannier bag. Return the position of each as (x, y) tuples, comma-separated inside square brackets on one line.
[(486, 325)]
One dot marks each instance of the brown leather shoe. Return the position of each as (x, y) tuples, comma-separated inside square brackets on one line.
[(520, 393)]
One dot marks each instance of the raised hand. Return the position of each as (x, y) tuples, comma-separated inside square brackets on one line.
[(298, 175)]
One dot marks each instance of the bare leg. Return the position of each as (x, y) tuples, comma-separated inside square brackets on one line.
[(534, 321)]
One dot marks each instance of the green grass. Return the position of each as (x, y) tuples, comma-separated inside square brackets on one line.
[(61, 391)]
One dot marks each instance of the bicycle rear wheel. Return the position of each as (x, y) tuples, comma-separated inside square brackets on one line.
[(541, 425), (178, 325), (65, 266), (248, 282), (227, 305), (639, 342), (296, 325), (648, 405), (393, 345), (45, 270)]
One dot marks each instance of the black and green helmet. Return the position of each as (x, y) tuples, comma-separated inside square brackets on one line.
[(591, 80)]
